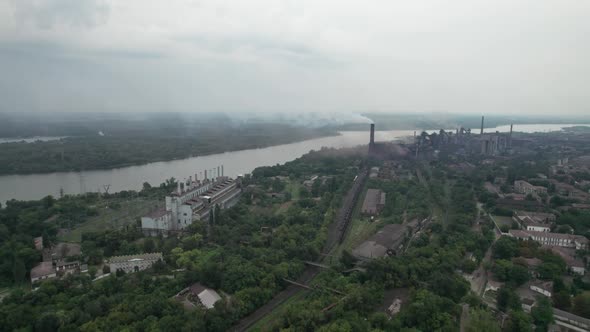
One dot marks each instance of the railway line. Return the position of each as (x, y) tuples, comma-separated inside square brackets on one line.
[(336, 234)]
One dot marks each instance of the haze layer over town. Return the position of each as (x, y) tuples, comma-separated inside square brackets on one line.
[(294, 165)]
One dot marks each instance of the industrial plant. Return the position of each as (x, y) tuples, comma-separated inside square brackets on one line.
[(461, 141), (192, 201)]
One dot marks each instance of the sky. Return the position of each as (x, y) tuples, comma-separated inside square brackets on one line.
[(460, 56)]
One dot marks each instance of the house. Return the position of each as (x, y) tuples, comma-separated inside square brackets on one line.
[(492, 285), (134, 263), (552, 239), (534, 221), (574, 264), (527, 304), (206, 296), (523, 187), (65, 267), (542, 287), (42, 271), (309, 183)]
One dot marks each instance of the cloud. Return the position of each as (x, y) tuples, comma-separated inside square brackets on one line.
[(47, 14), (328, 56)]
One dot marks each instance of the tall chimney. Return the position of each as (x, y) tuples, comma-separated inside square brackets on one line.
[(179, 190), (510, 136), (218, 173), (205, 175), (221, 170), (196, 177), (372, 139), (481, 132), (190, 182)]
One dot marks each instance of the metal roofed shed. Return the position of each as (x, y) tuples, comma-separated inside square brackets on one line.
[(374, 202), (384, 243)]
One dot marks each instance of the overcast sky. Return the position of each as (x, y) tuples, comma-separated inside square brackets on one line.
[(460, 56)]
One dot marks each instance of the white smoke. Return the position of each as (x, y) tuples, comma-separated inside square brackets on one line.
[(306, 119)]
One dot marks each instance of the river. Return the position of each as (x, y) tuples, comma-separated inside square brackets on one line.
[(36, 186)]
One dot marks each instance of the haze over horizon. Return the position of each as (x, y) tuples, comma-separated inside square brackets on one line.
[(466, 57)]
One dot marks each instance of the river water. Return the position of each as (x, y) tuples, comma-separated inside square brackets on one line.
[(36, 186)]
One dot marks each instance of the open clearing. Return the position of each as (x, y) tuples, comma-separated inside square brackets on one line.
[(126, 214)]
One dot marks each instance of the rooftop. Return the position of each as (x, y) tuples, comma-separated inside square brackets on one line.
[(128, 258), (42, 269), (63, 249), (389, 237), (525, 234), (157, 213)]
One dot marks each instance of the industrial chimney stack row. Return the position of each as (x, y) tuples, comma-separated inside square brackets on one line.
[(191, 184)]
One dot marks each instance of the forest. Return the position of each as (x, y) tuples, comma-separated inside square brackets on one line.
[(107, 143), (234, 256), (246, 253)]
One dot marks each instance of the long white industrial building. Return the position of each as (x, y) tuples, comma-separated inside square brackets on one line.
[(190, 203)]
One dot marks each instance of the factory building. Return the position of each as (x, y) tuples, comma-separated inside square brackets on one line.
[(191, 203), (463, 141)]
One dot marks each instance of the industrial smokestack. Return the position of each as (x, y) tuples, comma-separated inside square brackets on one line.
[(218, 173), (510, 136), (481, 132), (179, 191), (222, 170), (372, 139), (205, 174)]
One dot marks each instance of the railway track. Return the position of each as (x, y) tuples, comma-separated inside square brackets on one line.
[(336, 234)]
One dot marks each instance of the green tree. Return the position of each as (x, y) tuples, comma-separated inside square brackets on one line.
[(505, 248), (582, 305), (562, 300), (19, 271), (519, 322), (148, 245), (92, 272), (347, 259), (481, 320), (542, 313), (507, 299)]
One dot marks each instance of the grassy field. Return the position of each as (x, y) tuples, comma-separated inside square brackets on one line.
[(129, 210), (360, 229), (294, 188), (501, 221)]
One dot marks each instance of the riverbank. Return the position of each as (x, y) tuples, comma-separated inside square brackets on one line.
[(36, 186), (97, 152)]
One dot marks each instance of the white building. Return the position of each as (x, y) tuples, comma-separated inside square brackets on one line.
[(552, 239), (543, 288), (133, 263), (193, 202)]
